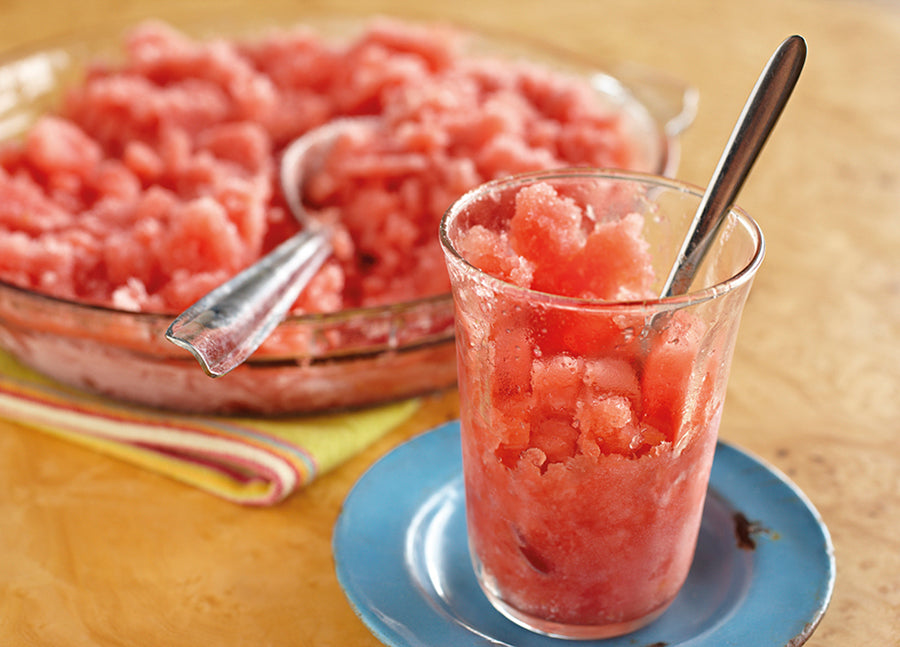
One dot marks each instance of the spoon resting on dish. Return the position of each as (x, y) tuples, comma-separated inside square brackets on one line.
[(228, 324)]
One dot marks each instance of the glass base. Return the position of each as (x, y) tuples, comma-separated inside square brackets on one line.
[(562, 630)]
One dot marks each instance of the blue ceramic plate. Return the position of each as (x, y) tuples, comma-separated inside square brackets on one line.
[(763, 571)]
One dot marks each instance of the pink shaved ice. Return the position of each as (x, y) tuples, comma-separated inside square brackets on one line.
[(155, 180)]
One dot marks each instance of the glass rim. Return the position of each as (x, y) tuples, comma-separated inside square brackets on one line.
[(694, 296)]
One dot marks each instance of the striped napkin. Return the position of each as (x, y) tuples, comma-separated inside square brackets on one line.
[(251, 461)]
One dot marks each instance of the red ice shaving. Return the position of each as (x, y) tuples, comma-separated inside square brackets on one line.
[(580, 508), (155, 180)]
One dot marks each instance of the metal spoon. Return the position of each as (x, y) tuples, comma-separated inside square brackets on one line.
[(227, 325), (763, 107)]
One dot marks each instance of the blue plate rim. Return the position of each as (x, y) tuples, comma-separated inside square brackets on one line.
[(722, 485)]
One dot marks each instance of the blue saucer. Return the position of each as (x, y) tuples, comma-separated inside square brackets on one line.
[(763, 572)]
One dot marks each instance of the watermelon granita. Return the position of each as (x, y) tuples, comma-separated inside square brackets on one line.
[(589, 408), (155, 179)]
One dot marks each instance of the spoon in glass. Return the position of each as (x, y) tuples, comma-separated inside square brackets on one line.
[(227, 325), (758, 118)]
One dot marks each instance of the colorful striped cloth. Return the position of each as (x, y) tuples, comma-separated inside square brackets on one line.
[(252, 461)]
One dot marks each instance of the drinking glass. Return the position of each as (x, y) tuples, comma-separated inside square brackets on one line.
[(589, 407)]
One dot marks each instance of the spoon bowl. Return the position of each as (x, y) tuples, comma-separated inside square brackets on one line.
[(225, 327)]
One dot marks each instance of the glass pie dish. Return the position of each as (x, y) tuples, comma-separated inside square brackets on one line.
[(312, 362)]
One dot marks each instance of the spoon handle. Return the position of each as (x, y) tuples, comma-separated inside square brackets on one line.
[(224, 327), (763, 107)]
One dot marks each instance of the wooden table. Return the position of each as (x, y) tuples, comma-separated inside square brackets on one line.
[(96, 553)]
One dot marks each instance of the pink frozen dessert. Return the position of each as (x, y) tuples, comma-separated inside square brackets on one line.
[(155, 180), (587, 438)]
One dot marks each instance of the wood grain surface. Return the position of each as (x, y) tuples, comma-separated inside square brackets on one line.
[(95, 553)]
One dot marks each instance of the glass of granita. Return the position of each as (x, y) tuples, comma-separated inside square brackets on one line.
[(589, 405)]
